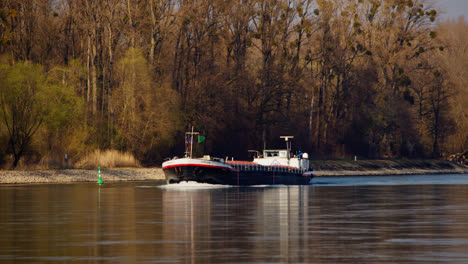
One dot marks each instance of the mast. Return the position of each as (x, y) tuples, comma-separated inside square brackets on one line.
[(190, 137), (191, 143)]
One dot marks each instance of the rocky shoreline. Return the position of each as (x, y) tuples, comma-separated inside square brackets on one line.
[(385, 167), (385, 172), (321, 169)]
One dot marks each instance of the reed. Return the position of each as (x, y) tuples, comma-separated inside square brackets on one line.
[(107, 159)]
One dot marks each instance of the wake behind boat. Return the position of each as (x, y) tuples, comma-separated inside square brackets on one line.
[(270, 167)]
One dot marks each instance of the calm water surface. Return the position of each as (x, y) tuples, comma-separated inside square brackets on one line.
[(404, 219)]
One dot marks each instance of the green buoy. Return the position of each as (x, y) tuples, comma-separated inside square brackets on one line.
[(100, 180)]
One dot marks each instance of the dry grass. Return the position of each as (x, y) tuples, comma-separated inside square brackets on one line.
[(29, 164), (107, 159)]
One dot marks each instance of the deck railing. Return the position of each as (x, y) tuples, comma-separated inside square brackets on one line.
[(260, 168)]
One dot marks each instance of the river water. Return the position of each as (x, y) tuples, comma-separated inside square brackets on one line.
[(391, 219)]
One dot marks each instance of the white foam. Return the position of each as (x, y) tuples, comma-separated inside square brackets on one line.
[(191, 185)]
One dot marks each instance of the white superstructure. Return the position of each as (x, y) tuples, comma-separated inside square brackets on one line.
[(283, 157)]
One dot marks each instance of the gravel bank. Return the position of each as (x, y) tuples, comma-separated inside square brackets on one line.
[(78, 175), (385, 167), (324, 173)]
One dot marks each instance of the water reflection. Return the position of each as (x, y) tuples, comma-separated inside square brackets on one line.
[(144, 223), (248, 224), (412, 224)]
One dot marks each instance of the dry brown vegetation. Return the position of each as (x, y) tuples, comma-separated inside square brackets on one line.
[(375, 78), (107, 159)]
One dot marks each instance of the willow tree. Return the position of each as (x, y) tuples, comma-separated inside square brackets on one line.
[(147, 115), (64, 131), (28, 100), (22, 104)]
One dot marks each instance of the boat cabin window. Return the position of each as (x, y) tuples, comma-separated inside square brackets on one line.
[(275, 153), (271, 153)]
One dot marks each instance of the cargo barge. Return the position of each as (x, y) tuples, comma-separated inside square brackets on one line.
[(271, 167)]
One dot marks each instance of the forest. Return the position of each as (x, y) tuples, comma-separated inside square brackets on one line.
[(371, 78)]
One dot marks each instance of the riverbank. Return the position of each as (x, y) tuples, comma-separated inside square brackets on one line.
[(321, 169), (385, 167), (81, 175)]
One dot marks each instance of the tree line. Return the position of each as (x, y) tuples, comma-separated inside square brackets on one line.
[(373, 78)]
